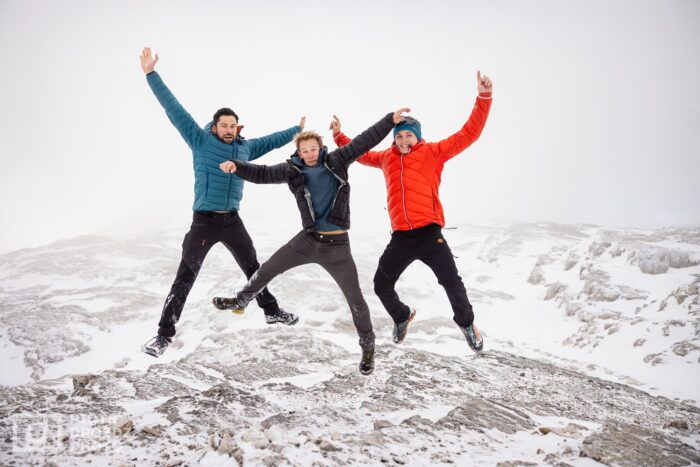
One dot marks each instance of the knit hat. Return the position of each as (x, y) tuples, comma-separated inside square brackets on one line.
[(410, 124)]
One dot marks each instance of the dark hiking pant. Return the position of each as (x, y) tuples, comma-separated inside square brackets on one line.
[(428, 245), (209, 228), (332, 253)]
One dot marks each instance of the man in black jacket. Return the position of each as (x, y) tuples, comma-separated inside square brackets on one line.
[(319, 181)]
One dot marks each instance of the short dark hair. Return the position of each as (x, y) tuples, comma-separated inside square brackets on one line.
[(224, 111)]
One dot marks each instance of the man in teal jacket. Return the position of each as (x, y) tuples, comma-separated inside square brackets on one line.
[(217, 196)]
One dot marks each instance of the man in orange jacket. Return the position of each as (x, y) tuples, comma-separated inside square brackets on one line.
[(412, 169)]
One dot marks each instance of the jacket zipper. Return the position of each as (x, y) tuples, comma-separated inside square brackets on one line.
[(307, 196), (228, 190), (342, 184), (403, 196)]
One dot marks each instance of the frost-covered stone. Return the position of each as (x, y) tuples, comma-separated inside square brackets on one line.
[(684, 348), (79, 382), (571, 260), (122, 427), (256, 438), (536, 276), (598, 248), (227, 375), (554, 290), (648, 266), (488, 396), (627, 444), (658, 260)]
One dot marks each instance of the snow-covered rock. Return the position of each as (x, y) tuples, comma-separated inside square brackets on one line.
[(585, 344), (417, 405)]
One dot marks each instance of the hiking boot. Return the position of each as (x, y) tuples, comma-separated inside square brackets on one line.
[(400, 329), (474, 339), (367, 362), (290, 319), (156, 346), (223, 303)]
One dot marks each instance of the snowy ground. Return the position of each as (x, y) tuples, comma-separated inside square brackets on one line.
[(560, 306)]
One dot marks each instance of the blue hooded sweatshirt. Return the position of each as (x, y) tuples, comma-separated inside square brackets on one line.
[(322, 186)]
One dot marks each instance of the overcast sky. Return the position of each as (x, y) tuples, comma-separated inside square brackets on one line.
[(596, 112)]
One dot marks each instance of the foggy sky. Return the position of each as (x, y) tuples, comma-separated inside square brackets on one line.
[(595, 119)]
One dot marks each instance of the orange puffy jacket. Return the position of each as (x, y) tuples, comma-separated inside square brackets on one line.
[(413, 179)]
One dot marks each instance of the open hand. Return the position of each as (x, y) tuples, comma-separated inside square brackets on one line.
[(335, 125), (229, 167), (398, 118), (302, 122), (483, 83), (148, 63)]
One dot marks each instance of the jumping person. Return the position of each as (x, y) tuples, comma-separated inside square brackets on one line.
[(319, 181), (412, 170), (216, 202)]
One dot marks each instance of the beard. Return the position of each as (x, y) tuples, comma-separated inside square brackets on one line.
[(228, 139)]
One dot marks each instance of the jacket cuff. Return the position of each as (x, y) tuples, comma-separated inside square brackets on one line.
[(485, 95)]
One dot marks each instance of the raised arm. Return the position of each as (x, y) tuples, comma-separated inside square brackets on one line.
[(370, 158), (471, 130), (183, 121), (368, 138), (256, 173), (264, 144)]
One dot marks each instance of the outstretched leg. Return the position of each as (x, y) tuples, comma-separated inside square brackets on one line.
[(436, 254), (344, 273), (197, 243), (237, 240), (393, 262), (289, 256)]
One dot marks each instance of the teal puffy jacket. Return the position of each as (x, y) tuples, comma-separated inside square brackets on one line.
[(214, 190)]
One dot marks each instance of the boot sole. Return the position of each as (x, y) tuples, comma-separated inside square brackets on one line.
[(282, 322), (235, 311), (150, 352), (410, 318), (481, 347)]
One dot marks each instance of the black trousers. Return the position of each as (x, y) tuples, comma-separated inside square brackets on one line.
[(207, 230), (428, 245), (332, 253)]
